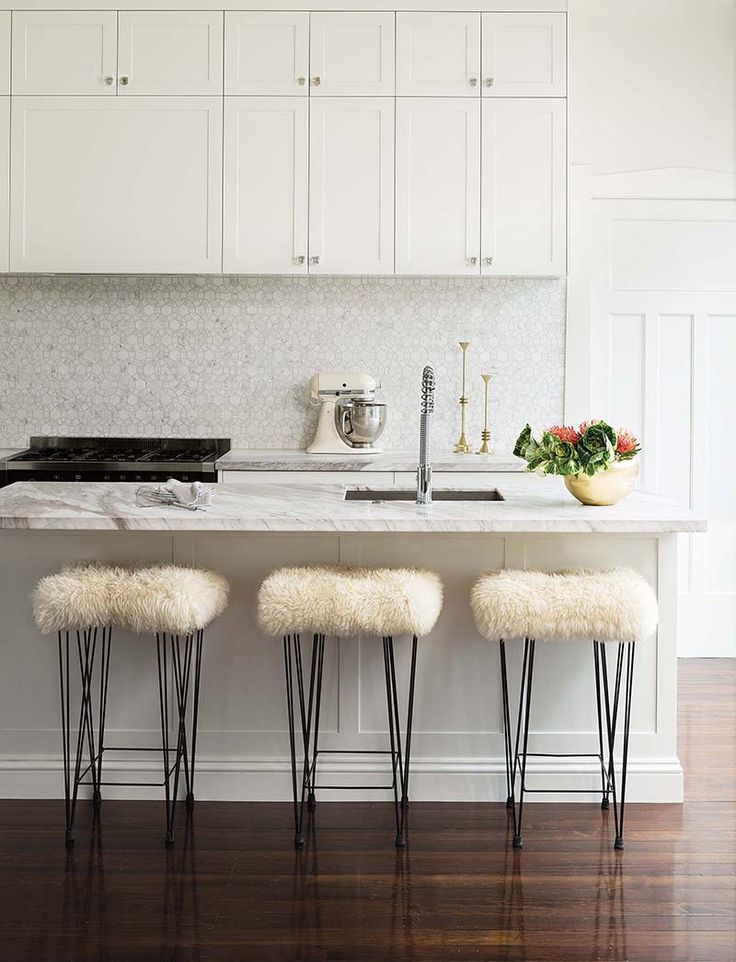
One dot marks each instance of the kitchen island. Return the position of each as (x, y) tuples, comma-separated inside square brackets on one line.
[(249, 529)]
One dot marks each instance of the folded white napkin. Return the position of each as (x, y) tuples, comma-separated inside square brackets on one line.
[(193, 496)]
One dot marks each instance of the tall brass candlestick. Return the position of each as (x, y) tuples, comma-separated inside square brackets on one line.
[(462, 446), (485, 434)]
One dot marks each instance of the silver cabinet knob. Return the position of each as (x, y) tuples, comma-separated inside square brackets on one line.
[(123, 81), (108, 81), (472, 261), (314, 260), (488, 260), (488, 82), (300, 259), (316, 81), (473, 81), (301, 81)]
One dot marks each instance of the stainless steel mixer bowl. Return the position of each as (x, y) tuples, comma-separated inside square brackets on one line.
[(360, 423)]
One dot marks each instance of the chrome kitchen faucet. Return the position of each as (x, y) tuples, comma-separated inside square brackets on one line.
[(424, 471)]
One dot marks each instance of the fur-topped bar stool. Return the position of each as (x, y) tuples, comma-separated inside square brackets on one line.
[(615, 605), (82, 604), (346, 602)]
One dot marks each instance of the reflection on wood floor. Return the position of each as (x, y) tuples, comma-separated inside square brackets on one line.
[(234, 889)]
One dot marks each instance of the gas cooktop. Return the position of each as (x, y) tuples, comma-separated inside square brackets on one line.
[(117, 459)]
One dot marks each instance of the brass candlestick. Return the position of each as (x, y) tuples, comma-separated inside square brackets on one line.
[(462, 446), (485, 434)]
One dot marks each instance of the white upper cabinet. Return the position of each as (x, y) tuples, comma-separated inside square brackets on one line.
[(126, 185), (352, 54), (4, 52), (524, 177), (438, 54), (438, 186), (170, 53), (351, 196), (65, 52), (524, 54), (267, 53), (266, 185), (4, 182)]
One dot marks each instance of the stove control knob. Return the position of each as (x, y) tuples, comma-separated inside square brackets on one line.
[(185, 477), (106, 477), (139, 477)]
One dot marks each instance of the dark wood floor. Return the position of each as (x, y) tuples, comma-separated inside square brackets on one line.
[(235, 890)]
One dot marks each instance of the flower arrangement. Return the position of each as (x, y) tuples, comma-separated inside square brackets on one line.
[(585, 450)]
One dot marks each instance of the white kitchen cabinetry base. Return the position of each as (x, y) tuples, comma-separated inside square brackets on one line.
[(457, 751)]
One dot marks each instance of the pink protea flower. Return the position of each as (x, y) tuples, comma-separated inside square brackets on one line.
[(626, 442), (564, 433), (584, 425)]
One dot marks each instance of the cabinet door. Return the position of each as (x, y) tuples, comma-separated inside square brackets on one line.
[(524, 177), (65, 52), (127, 185), (4, 182), (266, 180), (4, 52), (437, 186), (266, 53), (524, 54), (438, 54), (170, 53), (352, 54), (351, 186)]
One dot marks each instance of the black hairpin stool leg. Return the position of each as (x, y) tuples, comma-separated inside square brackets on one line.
[(602, 744), (619, 803), (400, 760), (525, 703), (180, 674), (319, 642), (507, 738), (72, 755), (199, 638)]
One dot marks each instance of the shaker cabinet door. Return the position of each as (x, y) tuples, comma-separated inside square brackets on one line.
[(65, 52), (267, 53), (524, 54), (169, 53), (4, 182), (352, 54), (351, 195), (4, 52), (438, 186), (438, 54), (266, 173), (524, 178), (134, 186)]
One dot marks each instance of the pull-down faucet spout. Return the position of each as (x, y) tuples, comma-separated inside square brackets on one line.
[(424, 471)]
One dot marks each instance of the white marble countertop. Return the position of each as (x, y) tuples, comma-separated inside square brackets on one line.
[(250, 459), (542, 506)]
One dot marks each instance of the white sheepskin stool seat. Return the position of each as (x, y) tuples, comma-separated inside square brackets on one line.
[(614, 605), (332, 600), (83, 603), (145, 600), (322, 600)]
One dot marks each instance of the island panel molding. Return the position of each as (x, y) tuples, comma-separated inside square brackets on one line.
[(105, 209)]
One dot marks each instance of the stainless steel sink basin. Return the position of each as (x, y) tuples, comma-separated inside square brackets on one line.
[(396, 494)]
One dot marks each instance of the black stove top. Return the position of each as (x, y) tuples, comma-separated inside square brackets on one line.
[(117, 459)]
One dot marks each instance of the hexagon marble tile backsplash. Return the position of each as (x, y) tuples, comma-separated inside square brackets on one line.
[(232, 356)]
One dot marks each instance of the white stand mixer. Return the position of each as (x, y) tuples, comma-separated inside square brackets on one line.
[(350, 419)]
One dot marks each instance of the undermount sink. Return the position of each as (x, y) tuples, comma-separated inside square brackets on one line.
[(396, 494)]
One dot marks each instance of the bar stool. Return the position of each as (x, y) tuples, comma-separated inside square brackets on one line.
[(615, 605), (84, 603), (344, 602)]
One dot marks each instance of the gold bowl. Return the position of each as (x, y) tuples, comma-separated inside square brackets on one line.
[(606, 487)]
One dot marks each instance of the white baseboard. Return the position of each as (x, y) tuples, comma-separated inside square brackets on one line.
[(261, 779)]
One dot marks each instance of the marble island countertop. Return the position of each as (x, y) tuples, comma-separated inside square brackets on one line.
[(250, 459), (542, 506)]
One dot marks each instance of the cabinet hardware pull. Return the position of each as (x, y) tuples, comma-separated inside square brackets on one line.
[(314, 260), (316, 81), (488, 260), (300, 259), (301, 81), (108, 81), (488, 82), (473, 81), (472, 261), (123, 81)]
